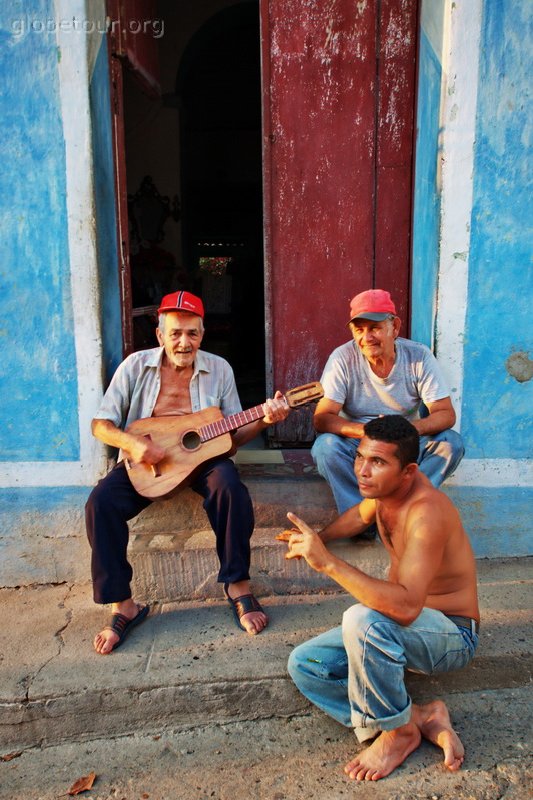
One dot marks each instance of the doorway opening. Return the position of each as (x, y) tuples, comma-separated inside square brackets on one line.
[(194, 178)]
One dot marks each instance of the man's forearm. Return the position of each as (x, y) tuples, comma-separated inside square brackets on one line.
[(434, 423), (348, 524), (108, 433), (390, 599), (332, 423)]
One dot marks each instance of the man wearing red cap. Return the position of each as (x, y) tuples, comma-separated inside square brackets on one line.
[(375, 374), (173, 379)]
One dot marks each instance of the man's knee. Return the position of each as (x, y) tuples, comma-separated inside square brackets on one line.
[(225, 481), (295, 659), (440, 455), (99, 499), (358, 624), (356, 621), (301, 662), (223, 474), (455, 442), (327, 447), (447, 442), (367, 634)]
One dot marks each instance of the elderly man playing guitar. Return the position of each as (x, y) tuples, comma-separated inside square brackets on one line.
[(158, 387)]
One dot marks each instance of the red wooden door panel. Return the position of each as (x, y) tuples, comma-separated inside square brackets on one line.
[(135, 31), (338, 89), (395, 143), (130, 42)]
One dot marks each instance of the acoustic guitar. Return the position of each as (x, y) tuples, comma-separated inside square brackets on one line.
[(192, 439)]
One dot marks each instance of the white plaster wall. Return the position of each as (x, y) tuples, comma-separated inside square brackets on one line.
[(460, 49)]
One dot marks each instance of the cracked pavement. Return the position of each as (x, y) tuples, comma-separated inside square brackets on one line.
[(191, 708)]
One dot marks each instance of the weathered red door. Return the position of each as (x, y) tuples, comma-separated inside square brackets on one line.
[(338, 103), (131, 46)]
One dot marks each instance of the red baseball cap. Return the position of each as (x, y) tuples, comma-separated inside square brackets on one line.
[(375, 304), (182, 301)]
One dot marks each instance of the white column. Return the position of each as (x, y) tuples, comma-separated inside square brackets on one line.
[(462, 28)]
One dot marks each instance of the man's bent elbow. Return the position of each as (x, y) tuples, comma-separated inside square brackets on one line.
[(320, 423), (407, 614), (406, 619)]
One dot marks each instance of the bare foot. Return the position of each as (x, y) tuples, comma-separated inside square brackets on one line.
[(433, 720), (105, 641), (254, 621), (387, 752)]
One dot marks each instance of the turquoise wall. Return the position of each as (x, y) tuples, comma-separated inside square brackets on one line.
[(106, 232), (38, 377), (426, 217), (498, 386)]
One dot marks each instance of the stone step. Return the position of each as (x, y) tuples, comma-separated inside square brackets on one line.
[(188, 665), (288, 481), (184, 565), (172, 548)]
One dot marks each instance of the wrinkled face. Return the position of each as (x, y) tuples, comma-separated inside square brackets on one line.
[(377, 468), (375, 339), (181, 338)]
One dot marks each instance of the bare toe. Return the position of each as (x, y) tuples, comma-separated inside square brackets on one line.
[(434, 723), (105, 641), (254, 622), (385, 753)]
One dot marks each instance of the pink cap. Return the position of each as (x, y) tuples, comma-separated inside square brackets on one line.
[(182, 301), (375, 304)]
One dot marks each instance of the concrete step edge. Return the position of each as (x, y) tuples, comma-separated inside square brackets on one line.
[(51, 720)]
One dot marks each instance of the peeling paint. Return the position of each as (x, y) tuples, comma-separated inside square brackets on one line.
[(497, 401), (520, 367)]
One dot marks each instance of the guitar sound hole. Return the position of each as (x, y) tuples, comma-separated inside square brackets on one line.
[(191, 440)]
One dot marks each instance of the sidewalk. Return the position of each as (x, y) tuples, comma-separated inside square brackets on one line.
[(190, 707)]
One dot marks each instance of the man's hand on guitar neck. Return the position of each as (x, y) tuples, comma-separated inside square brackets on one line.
[(276, 409)]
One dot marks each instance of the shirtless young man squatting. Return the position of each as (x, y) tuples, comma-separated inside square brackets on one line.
[(423, 617)]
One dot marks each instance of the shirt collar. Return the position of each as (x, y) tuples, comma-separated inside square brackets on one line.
[(155, 357), (200, 363)]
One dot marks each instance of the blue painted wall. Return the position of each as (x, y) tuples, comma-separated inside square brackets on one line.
[(496, 414), (106, 233), (38, 378), (426, 218), (497, 519)]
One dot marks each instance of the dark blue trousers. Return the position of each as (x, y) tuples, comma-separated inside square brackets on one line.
[(114, 501)]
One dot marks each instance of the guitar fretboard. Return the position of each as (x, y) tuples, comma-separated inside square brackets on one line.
[(231, 423)]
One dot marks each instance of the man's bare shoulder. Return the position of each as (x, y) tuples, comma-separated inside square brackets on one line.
[(430, 503), (367, 509)]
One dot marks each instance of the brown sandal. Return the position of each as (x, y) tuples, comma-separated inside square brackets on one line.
[(121, 625), (242, 605)]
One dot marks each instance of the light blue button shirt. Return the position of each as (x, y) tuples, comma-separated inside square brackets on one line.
[(134, 388)]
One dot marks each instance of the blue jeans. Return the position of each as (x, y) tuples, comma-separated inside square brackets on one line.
[(334, 456), (355, 673)]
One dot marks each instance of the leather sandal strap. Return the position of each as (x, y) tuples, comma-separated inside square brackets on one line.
[(245, 604)]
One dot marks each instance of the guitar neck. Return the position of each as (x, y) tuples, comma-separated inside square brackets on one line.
[(231, 423)]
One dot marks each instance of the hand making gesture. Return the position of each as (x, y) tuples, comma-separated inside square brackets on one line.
[(304, 541)]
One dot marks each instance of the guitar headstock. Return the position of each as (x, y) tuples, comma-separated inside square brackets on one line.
[(304, 394)]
